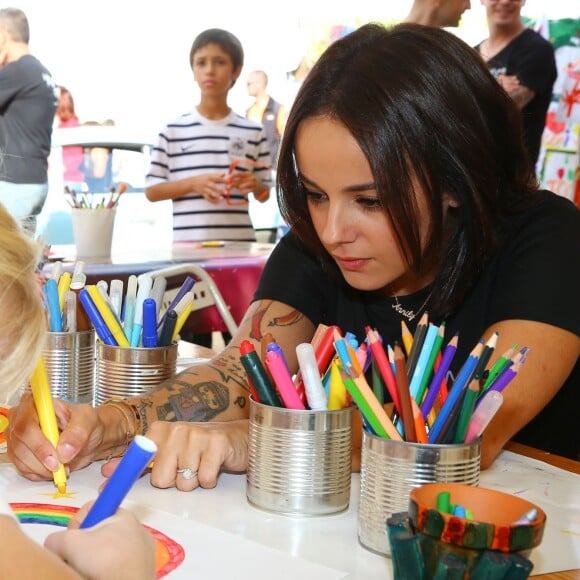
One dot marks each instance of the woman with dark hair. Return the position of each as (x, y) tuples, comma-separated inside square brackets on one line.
[(403, 176)]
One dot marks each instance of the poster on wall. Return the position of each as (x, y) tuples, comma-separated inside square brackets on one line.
[(558, 166)]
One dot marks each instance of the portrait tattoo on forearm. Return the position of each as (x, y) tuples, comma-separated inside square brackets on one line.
[(200, 402)]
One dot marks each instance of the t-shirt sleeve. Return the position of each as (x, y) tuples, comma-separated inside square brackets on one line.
[(294, 276), (536, 67), (538, 278)]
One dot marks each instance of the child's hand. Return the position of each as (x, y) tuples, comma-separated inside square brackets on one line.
[(210, 185)]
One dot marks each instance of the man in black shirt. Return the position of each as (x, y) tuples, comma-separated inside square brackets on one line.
[(523, 63), (27, 106)]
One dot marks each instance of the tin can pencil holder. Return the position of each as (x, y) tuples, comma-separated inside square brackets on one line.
[(391, 469), (70, 363), (126, 372), (299, 462)]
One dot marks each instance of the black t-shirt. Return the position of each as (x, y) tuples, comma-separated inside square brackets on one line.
[(27, 107), (534, 277), (530, 57)]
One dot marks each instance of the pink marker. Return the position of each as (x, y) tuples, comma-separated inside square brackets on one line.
[(484, 413), (283, 381)]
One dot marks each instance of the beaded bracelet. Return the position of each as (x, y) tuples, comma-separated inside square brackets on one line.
[(133, 421)]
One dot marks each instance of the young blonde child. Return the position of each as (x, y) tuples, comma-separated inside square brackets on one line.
[(71, 553)]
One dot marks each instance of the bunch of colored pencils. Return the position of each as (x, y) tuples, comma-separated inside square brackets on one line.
[(426, 409)]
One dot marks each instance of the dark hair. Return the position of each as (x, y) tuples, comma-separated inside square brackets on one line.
[(14, 21), (422, 106), (224, 39)]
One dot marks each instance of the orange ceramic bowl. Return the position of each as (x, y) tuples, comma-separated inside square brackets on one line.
[(494, 515)]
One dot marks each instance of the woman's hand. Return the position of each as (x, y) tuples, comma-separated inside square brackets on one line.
[(206, 449)]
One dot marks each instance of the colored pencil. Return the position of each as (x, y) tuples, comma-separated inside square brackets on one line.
[(404, 395), (406, 337), (418, 339), (419, 379), (439, 375), (467, 408), (368, 405), (485, 356), (499, 365), (384, 367), (455, 393)]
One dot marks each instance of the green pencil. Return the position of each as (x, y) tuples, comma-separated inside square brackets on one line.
[(500, 364), (466, 410)]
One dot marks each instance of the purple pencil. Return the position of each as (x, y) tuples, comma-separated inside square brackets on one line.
[(506, 377), (435, 385)]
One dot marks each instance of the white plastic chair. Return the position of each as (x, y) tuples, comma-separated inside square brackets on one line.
[(205, 292)]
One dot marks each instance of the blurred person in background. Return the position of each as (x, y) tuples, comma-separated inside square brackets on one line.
[(437, 12), (72, 155), (265, 110), (27, 107), (523, 63), (271, 115)]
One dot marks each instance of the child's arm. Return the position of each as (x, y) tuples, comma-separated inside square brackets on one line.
[(210, 185)]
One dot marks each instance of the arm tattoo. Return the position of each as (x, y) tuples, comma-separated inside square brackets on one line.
[(292, 317), (198, 402), (256, 328)]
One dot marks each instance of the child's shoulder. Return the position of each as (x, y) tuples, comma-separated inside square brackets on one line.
[(244, 122)]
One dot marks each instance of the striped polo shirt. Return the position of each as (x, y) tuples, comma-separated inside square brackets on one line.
[(193, 145)]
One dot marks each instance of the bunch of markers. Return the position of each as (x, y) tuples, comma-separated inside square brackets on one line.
[(62, 306), (86, 200), (126, 319), (426, 409)]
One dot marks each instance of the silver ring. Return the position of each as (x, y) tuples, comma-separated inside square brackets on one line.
[(187, 473)]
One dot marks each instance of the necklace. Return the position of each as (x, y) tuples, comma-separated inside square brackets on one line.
[(408, 313)]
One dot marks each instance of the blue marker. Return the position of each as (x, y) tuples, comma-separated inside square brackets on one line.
[(130, 300), (51, 295), (145, 285), (95, 317), (149, 323), (167, 329), (135, 460)]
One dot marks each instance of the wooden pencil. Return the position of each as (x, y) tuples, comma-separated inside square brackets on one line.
[(418, 339), (404, 394)]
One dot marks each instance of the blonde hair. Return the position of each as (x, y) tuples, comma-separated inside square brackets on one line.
[(22, 320)]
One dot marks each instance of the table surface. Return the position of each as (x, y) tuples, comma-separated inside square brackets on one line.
[(235, 268), (328, 541), (135, 261)]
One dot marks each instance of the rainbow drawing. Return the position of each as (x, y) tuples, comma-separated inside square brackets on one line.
[(168, 553)]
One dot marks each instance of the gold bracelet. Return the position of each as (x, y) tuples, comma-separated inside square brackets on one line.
[(133, 421), (262, 196)]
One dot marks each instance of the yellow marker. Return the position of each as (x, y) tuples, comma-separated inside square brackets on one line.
[(336, 389), (63, 287), (181, 321), (46, 416), (108, 316), (212, 244)]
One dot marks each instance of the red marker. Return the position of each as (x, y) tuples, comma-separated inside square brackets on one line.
[(260, 385)]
